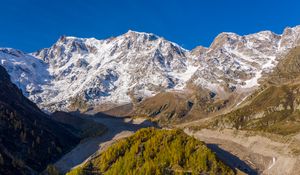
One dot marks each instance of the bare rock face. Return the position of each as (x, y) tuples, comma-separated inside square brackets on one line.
[(136, 65)]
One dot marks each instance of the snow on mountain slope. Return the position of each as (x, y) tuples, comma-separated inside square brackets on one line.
[(237, 62), (137, 65), (108, 70), (27, 72)]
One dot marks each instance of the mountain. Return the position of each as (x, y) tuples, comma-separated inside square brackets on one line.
[(106, 71), (235, 67), (248, 83), (29, 139), (81, 73), (273, 108), (153, 151), (287, 70)]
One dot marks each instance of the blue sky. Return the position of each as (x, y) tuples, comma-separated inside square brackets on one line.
[(30, 25)]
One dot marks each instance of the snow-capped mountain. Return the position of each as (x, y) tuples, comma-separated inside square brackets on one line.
[(239, 61), (27, 72), (137, 65)]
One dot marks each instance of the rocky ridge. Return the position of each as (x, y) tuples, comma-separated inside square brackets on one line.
[(83, 72)]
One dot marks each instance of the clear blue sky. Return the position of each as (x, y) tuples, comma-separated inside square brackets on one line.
[(30, 25)]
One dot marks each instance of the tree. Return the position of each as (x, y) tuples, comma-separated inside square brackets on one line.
[(23, 136), (38, 140), (52, 170), (152, 151), (1, 160)]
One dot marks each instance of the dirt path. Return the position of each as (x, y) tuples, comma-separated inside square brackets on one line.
[(117, 128), (251, 154)]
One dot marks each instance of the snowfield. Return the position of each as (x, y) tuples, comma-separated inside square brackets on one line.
[(137, 65)]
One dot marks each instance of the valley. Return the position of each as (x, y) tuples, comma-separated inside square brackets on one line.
[(90, 106), (117, 128), (251, 153)]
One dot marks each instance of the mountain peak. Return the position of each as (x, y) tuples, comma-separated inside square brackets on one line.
[(135, 35), (223, 38), (12, 51), (67, 39), (139, 63), (295, 28), (138, 33)]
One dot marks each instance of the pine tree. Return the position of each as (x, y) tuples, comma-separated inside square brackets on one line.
[(52, 170), (1, 160)]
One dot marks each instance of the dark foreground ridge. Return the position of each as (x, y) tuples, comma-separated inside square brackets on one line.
[(29, 139)]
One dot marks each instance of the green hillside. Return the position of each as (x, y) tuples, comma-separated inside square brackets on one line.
[(153, 151), (276, 110)]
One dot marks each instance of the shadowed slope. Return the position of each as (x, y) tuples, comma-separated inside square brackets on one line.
[(29, 140)]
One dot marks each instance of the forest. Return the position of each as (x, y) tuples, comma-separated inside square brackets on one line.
[(154, 151)]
